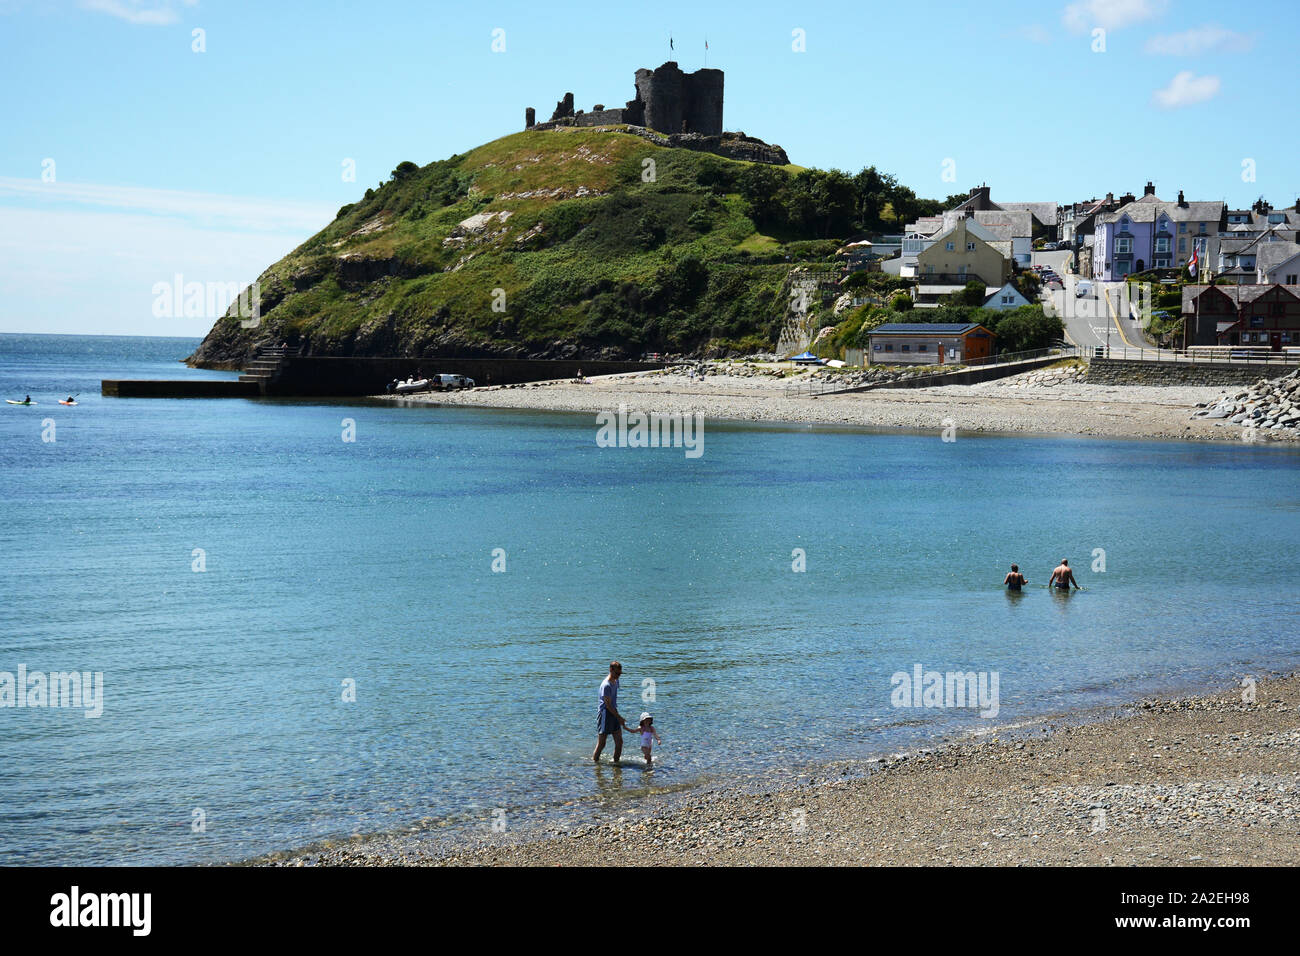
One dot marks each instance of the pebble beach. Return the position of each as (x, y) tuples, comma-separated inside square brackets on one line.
[(1207, 779), (1051, 401)]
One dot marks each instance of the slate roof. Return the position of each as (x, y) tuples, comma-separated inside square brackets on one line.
[(1273, 254), (1148, 209), (1044, 212), (1239, 294), (925, 328)]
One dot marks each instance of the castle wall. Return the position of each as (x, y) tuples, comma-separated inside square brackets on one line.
[(600, 117), (667, 100)]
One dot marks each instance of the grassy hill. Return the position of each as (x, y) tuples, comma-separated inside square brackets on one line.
[(551, 244)]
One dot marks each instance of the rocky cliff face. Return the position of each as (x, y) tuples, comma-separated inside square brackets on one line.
[(731, 145)]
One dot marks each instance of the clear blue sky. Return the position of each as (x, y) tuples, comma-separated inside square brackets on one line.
[(214, 164)]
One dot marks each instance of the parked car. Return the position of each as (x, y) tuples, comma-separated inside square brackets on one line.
[(450, 383)]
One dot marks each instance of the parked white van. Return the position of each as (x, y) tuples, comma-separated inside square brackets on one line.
[(448, 383), (1084, 287)]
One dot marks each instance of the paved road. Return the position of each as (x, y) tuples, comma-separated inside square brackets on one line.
[(1088, 320)]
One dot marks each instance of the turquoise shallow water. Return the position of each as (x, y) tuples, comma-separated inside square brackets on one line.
[(371, 561)]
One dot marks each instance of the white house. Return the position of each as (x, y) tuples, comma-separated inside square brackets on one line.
[(1277, 263), (1007, 297)]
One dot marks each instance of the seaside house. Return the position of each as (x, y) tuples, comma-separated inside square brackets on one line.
[(1007, 297), (918, 237), (1149, 233), (1252, 316), (919, 343), (962, 252), (1278, 263)]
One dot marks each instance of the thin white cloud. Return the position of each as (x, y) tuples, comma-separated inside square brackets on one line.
[(153, 13), (205, 210), (1210, 38), (89, 270), (1186, 89), (1086, 15)]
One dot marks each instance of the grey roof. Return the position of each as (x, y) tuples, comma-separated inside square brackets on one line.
[(1232, 247), (925, 328), (1001, 223), (1044, 212), (1273, 254), (1239, 294), (1148, 209)]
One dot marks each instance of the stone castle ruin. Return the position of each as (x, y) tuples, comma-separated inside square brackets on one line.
[(671, 108), (667, 101)]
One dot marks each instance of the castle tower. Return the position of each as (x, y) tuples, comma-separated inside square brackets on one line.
[(677, 102)]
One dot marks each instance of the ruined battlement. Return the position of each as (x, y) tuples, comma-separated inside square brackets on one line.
[(667, 101)]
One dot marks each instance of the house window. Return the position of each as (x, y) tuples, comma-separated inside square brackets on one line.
[(889, 348), (1256, 321), (1162, 243), (929, 270), (1182, 227), (1006, 300), (961, 270), (970, 247), (1291, 278), (923, 348), (1123, 246), (907, 348), (950, 246), (1182, 245)]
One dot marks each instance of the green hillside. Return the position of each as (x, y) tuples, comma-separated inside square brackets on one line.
[(581, 256)]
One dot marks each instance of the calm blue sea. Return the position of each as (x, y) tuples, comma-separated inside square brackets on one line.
[(326, 562)]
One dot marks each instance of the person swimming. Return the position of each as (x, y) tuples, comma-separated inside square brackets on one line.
[(1015, 580)]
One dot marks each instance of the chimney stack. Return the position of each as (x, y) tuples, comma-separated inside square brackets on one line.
[(1150, 189), (1181, 201)]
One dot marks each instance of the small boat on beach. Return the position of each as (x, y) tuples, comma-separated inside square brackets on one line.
[(413, 385)]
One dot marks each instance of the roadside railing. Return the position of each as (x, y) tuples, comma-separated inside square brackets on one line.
[(1003, 358), (1197, 354)]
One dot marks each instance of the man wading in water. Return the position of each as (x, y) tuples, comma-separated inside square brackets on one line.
[(608, 720), (1063, 577)]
